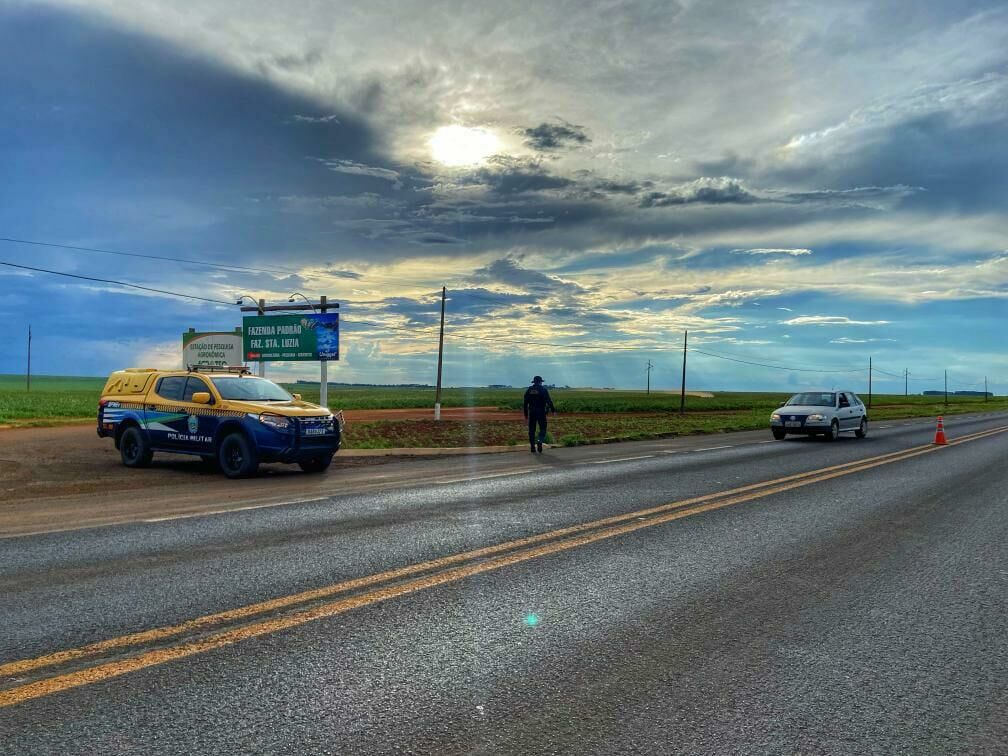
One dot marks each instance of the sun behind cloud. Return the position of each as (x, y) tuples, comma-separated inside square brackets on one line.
[(462, 145)]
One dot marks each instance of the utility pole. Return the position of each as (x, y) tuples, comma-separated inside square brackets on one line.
[(440, 354), (946, 389), (324, 383), (682, 391), (985, 388), (906, 381), (649, 366), (869, 382), (28, 374), (262, 364)]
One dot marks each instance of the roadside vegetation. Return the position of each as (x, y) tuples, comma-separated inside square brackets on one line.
[(586, 415)]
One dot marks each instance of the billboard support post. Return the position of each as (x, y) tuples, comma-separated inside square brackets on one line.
[(324, 364), (262, 363)]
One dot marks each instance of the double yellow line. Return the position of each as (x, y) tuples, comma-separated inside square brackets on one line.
[(128, 653)]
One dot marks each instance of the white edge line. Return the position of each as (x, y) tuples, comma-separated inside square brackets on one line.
[(621, 459), (482, 477), (712, 448), (189, 515)]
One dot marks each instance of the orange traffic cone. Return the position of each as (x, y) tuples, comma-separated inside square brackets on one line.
[(939, 438)]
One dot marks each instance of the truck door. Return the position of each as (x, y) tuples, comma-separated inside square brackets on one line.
[(201, 423), (164, 412)]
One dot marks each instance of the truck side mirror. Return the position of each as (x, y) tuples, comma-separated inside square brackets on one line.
[(782, 404), (297, 397), (201, 397)]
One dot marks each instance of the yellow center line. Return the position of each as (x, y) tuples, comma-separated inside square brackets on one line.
[(610, 527)]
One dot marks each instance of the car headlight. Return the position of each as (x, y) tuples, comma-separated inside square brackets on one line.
[(278, 423), (775, 416), (816, 418)]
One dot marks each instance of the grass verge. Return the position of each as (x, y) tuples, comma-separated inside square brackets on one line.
[(604, 415)]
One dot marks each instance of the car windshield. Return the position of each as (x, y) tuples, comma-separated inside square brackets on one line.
[(813, 400), (250, 389)]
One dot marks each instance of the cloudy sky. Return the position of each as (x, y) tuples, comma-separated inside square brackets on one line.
[(799, 184)]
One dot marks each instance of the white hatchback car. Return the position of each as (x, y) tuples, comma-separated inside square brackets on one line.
[(829, 413)]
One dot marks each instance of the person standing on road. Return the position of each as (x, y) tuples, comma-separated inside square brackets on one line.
[(537, 404)]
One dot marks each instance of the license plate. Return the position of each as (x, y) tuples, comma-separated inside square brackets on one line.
[(314, 431), (793, 424)]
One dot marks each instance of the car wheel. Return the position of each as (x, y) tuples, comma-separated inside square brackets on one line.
[(778, 434), (862, 431), (236, 457), (134, 448), (316, 464), (834, 431)]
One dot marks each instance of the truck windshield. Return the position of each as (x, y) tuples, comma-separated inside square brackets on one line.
[(250, 389), (813, 400)]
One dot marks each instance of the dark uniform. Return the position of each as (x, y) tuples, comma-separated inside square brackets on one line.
[(537, 404)]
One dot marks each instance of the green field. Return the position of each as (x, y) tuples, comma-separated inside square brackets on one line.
[(601, 414)]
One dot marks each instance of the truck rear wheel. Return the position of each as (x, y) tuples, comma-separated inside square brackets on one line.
[(134, 448), (236, 457)]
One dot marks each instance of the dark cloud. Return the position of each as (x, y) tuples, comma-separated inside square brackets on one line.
[(416, 311), (510, 272), (478, 298), (548, 137), (862, 196), (936, 161), (433, 239), (508, 175), (160, 139), (716, 192), (339, 273), (622, 187), (467, 304)]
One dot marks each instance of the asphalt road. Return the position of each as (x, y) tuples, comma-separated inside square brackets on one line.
[(660, 597)]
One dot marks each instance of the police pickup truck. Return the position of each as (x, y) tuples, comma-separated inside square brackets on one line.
[(225, 415)]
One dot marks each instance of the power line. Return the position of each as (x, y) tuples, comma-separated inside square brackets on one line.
[(116, 283), (767, 365), (163, 258), (883, 372)]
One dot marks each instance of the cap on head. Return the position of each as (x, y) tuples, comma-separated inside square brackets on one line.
[(537, 379)]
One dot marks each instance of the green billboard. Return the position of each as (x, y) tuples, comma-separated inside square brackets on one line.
[(291, 338)]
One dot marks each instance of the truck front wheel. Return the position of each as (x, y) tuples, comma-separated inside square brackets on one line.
[(236, 456)]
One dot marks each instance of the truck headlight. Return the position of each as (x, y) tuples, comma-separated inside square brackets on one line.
[(816, 418), (775, 417), (278, 423)]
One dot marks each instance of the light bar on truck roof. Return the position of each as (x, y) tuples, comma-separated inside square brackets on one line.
[(236, 369)]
